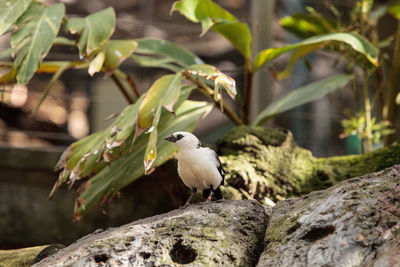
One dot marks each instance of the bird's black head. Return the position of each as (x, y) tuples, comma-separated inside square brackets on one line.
[(174, 137)]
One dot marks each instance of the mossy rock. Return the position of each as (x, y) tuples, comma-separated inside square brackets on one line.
[(265, 163)]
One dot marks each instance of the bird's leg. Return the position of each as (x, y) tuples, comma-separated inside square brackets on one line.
[(211, 194), (190, 198)]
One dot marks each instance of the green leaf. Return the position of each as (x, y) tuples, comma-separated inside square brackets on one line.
[(211, 15), (303, 95), (165, 92), (129, 167), (10, 11), (358, 43), (151, 150), (307, 25), (36, 30), (295, 56), (117, 51), (394, 9), (94, 30), (160, 53)]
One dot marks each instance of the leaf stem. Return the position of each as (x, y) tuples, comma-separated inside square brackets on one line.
[(389, 113), (130, 81), (367, 105), (116, 78), (207, 91), (248, 78)]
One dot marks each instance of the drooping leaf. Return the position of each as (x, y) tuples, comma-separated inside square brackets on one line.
[(97, 63), (86, 157), (129, 167), (36, 30), (10, 11), (358, 43), (164, 92), (220, 79), (151, 150), (303, 95), (211, 15), (117, 51), (163, 54), (93, 30)]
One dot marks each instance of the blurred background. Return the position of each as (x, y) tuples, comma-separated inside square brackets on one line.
[(78, 105)]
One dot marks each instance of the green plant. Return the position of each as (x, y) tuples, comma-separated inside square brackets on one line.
[(363, 23), (130, 146)]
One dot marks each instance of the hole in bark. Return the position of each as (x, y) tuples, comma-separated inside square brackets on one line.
[(318, 233), (293, 228), (101, 258), (182, 254), (323, 176), (144, 255)]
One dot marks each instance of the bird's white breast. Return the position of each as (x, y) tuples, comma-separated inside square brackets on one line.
[(198, 168)]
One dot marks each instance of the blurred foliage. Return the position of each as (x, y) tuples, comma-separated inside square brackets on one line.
[(363, 52)]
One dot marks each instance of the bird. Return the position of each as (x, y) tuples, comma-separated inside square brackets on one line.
[(198, 166)]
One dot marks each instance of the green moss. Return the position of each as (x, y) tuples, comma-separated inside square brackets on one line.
[(19, 257), (266, 162)]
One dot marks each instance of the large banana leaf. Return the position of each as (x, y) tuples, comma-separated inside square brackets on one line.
[(10, 11), (93, 30), (303, 95), (163, 54), (212, 16), (358, 43), (36, 30)]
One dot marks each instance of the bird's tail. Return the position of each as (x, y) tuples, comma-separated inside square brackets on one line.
[(217, 193)]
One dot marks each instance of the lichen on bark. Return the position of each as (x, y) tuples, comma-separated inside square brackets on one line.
[(263, 163), (354, 223), (223, 233)]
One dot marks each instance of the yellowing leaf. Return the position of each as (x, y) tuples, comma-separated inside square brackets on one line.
[(36, 30)]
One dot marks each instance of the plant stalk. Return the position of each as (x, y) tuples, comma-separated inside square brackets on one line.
[(388, 112), (367, 105), (207, 91), (248, 79), (122, 88)]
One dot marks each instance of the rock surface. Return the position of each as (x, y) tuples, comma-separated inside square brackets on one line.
[(355, 223), (226, 233)]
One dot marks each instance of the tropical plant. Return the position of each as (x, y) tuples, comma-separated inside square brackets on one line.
[(130, 147), (381, 70)]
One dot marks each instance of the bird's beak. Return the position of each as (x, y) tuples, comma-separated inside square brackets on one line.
[(171, 138)]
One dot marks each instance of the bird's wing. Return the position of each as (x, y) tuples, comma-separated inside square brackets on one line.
[(217, 163)]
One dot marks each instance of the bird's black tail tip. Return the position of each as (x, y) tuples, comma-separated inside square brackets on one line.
[(218, 194)]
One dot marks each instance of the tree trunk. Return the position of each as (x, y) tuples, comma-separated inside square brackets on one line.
[(355, 223), (227, 233)]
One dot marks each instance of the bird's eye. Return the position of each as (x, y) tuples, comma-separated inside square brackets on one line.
[(179, 136)]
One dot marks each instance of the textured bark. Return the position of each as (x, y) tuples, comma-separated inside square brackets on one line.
[(225, 233), (264, 163), (355, 223)]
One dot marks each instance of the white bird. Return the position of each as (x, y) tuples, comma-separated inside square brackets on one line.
[(198, 166)]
